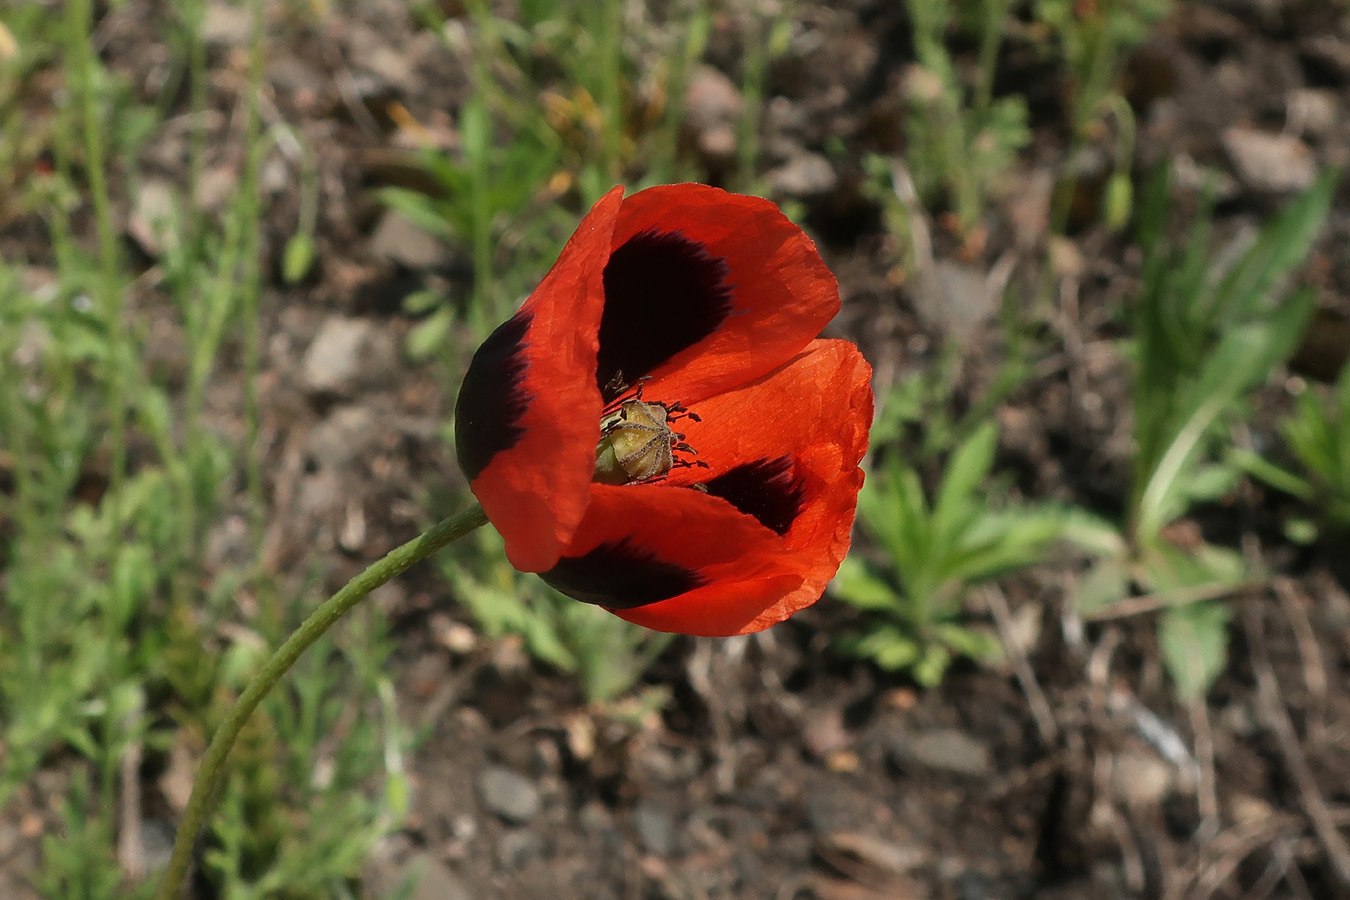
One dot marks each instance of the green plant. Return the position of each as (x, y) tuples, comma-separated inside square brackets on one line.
[(606, 655), (301, 810), (526, 144), (1093, 38), (768, 30), (933, 554), (1317, 434), (1204, 336), (960, 141), (112, 476)]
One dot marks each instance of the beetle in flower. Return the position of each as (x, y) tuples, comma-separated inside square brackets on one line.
[(659, 430)]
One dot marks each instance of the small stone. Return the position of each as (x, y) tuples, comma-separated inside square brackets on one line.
[(226, 24), (1311, 112), (344, 351), (854, 850), (805, 175), (516, 848), (1273, 163), (392, 66), (711, 99), (508, 795), (824, 732), (955, 299), (829, 810), (1142, 778), (1248, 810), (156, 843), (712, 109), (655, 829), (435, 880), (396, 238), (152, 220), (947, 750), (344, 436)]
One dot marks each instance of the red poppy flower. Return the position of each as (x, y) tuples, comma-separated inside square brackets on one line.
[(658, 430)]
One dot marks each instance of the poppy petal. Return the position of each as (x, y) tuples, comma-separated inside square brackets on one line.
[(678, 560), (706, 290), (528, 415), (785, 450)]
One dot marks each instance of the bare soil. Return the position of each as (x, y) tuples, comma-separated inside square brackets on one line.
[(779, 770)]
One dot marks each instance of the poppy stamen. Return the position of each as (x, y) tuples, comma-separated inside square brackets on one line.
[(637, 443)]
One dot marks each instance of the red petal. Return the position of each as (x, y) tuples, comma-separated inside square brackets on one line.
[(808, 423), (782, 293), (534, 468), (741, 571)]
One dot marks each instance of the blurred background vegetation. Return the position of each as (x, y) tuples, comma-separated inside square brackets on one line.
[(162, 218)]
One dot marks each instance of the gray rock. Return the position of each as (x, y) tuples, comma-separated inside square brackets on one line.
[(153, 218), (508, 795), (515, 849), (346, 434), (829, 809), (805, 175), (655, 829), (712, 107), (1142, 778), (156, 843), (435, 881), (947, 750), (344, 352), (396, 238), (1273, 163), (711, 100), (226, 24), (1311, 111), (955, 299)]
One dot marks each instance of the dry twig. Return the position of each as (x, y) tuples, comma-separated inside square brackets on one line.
[(1276, 717), (1314, 669), (1147, 603), (1026, 677)]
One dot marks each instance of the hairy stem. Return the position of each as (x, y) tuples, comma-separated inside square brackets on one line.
[(210, 777)]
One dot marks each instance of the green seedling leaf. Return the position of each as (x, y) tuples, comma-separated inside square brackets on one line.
[(1194, 644), (1104, 585), (974, 643), (966, 471), (421, 210), (857, 587), (1210, 482), (931, 665), (1165, 568), (890, 648), (475, 129), (133, 578), (427, 337), (1225, 376), (421, 303), (1281, 479), (1247, 289), (1118, 201), (1302, 531), (297, 259), (998, 541)]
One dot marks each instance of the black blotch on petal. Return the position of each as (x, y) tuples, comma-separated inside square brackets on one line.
[(620, 576), (767, 489), (492, 398), (663, 293)]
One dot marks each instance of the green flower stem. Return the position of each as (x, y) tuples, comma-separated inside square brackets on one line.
[(206, 787)]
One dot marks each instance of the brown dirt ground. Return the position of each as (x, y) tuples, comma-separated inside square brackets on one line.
[(778, 770)]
